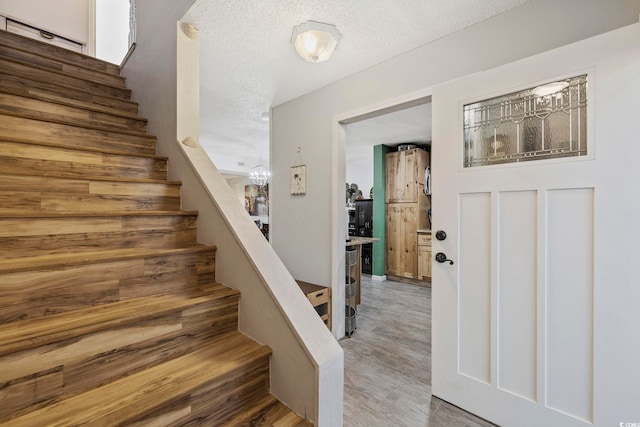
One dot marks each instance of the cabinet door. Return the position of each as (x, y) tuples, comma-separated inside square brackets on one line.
[(410, 192), (405, 175), (424, 262), (401, 240), (394, 177)]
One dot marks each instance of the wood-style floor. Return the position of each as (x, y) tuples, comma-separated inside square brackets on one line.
[(388, 362)]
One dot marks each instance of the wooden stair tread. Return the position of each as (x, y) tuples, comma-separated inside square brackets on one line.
[(30, 333), (28, 130), (85, 149), (76, 70), (114, 179), (60, 121), (58, 53), (12, 95), (86, 106), (267, 411), (137, 395), (93, 214), (102, 87), (90, 257), (15, 82)]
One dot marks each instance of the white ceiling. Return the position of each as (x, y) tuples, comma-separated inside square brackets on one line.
[(404, 126), (248, 64)]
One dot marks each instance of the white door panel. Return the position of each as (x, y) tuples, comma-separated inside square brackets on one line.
[(535, 323)]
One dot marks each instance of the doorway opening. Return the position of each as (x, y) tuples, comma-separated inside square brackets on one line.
[(397, 312)]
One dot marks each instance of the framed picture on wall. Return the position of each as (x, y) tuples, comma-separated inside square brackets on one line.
[(298, 180)]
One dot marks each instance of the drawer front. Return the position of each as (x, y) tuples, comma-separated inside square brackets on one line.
[(424, 239), (319, 297)]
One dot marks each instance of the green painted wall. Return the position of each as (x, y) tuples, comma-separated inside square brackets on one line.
[(379, 156)]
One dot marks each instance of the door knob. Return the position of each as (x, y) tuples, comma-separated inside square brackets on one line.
[(441, 257), (441, 235)]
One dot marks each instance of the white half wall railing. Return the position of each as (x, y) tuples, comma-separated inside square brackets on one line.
[(307, 362)]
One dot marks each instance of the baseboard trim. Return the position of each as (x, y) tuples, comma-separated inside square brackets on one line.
[(424, 283), (379, 278)]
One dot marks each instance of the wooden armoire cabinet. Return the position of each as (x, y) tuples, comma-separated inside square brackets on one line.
[(407, 208)]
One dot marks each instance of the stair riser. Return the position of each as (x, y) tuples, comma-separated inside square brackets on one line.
[(13, 54), (45, 236), (30, 130), (48, 111), (17, 202), (213, 403), (30, 160), (87, 187), (18, 85), (37, 377), (57, 78), (47, 194), (45, 49), (32, 294)]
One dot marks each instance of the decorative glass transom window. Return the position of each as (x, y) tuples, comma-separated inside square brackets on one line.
[(543, 122)]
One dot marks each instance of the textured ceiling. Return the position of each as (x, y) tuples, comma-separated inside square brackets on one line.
[(248, 64)]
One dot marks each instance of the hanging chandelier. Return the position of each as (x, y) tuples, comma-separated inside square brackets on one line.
[(259, 176)]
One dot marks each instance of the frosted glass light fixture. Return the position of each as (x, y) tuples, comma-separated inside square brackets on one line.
[(315, 41)]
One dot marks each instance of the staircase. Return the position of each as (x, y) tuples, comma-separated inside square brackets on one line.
[(109, 309)]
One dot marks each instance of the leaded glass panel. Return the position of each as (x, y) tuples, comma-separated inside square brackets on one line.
[(544, 122)]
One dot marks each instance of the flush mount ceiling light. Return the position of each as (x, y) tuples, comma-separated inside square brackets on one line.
[(315, 41)]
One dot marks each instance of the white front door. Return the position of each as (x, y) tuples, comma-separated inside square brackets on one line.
[(537, 322)]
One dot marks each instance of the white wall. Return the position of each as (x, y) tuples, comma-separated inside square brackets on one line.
[(151, 70), (310, 121), (112, 30), (72, 19), (360, 171)]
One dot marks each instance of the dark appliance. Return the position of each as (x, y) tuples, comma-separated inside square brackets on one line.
[(367, 258), (352, 222), (364, 218), (364, 228)]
